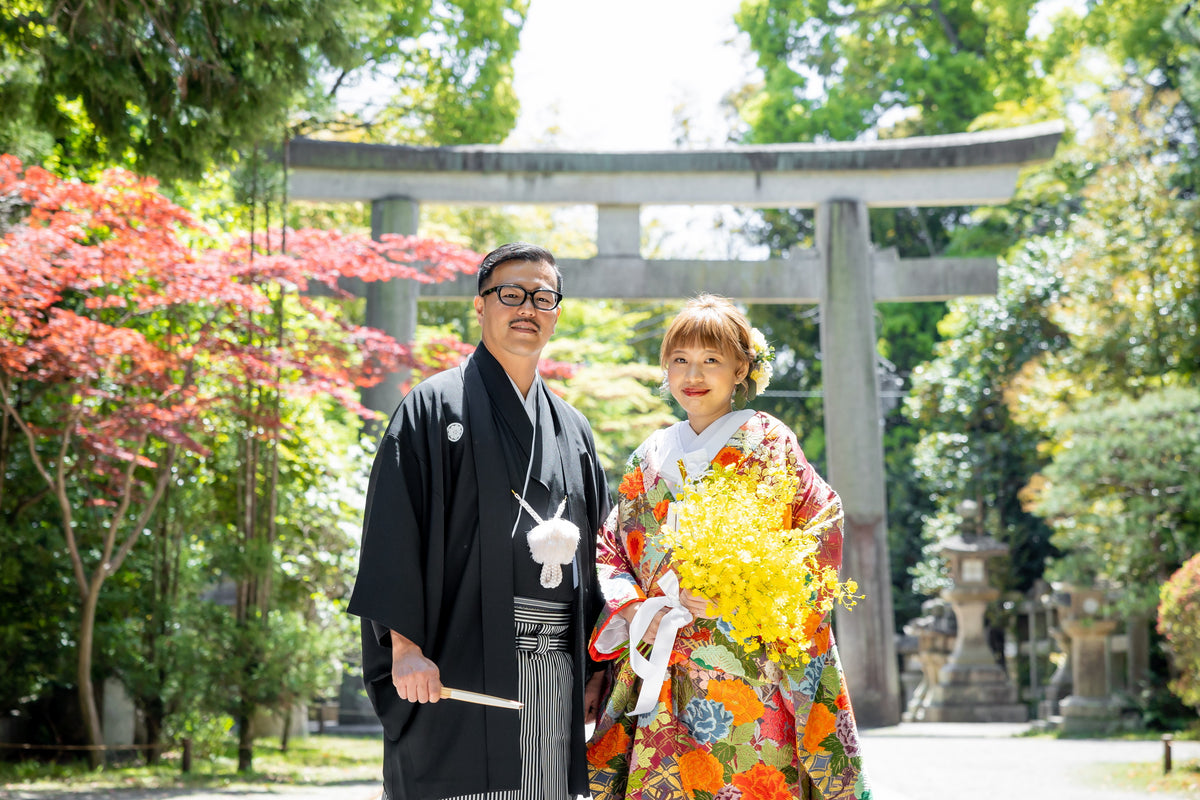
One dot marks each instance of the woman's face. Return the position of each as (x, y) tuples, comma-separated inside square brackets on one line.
[(702, 381)]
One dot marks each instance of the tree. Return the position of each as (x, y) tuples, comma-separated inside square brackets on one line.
[(831, 71), (1128, 298), (1122, 491), (168, 88), (172, 635), (117, 338)]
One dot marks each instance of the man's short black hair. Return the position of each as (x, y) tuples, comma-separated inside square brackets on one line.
[(516, 251)]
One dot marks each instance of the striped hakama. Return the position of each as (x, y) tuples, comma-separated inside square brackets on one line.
[(544, 686)]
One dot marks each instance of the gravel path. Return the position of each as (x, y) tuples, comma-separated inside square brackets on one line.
[(947, 761)]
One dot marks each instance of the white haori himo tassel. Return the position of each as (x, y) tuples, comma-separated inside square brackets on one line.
[(552, 542)]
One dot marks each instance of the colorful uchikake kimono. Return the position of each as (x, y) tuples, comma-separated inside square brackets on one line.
[(728, 724)]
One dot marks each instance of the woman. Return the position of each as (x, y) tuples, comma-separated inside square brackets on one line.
[(750, 730)]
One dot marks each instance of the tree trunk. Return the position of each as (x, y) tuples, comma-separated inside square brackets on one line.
[(154, 713), (87, 693), (245, 742), (287, 724)]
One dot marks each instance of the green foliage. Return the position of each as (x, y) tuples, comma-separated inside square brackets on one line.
[(1129, 301), (165, 85), (169, 89), (832, 70), (274, 621), (1179, 623), (1100, 298), (909, 504), (794, 395), (35, 588), (178, 648), (971, 447), (38, 603), (208, 734), (1122, 493)]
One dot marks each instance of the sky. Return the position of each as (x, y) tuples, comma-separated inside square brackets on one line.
[(609, 75)]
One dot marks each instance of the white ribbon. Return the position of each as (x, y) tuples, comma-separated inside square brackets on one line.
[(654, 671)]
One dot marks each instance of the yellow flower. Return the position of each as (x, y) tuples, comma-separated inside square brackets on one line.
[(734, 543)]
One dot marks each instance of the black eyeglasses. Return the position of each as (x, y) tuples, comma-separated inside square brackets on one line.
[(510, 294)]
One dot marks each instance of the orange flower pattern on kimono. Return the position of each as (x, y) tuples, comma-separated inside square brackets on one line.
[(700, 771), (762, 783), (631, 484), (729, 723), (739, 698)]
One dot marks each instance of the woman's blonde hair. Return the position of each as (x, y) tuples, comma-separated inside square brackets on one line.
[(712, 321)]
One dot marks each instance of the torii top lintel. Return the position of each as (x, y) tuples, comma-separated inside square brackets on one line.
[(978, 168)]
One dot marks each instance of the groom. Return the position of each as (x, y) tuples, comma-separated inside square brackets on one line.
[(449, 591)]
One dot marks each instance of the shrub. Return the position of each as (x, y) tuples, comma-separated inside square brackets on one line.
[(1179, 623)]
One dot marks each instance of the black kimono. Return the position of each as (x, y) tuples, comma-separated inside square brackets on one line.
[(437, 566)]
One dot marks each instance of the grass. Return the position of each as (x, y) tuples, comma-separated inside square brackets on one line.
[(1184, 777), (311, 760), (1186, 733)]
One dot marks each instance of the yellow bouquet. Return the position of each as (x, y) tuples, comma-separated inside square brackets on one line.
[(733, 541)]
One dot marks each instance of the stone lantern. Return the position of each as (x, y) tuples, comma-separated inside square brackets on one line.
[(971, 686), (934, 633)]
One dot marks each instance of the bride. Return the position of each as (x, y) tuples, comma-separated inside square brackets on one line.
[(690, 728)]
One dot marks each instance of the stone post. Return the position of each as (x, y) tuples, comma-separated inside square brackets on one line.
[(392, 305), (865, 634), (1137, 628), (1059, 685), (118, 713), (1090, 708), (1030, 607)]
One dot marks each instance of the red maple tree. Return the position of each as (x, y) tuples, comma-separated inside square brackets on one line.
[(119, 332)]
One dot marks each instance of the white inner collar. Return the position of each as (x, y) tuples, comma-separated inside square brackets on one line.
[(697, 450), (529, 400)]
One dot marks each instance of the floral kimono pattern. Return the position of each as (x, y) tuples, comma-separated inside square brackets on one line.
[(728, 724)]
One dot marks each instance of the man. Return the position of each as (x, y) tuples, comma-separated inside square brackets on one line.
[(448, 588)]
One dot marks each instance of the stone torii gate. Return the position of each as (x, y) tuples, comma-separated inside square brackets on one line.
[(844, 273)]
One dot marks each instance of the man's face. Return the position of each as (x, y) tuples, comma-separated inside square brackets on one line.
[(520, 331)]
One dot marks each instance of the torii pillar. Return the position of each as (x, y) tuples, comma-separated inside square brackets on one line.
[(852, 419), (844, 273), (391, 305)]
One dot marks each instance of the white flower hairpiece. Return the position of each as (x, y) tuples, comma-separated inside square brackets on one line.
[(760, 365)]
